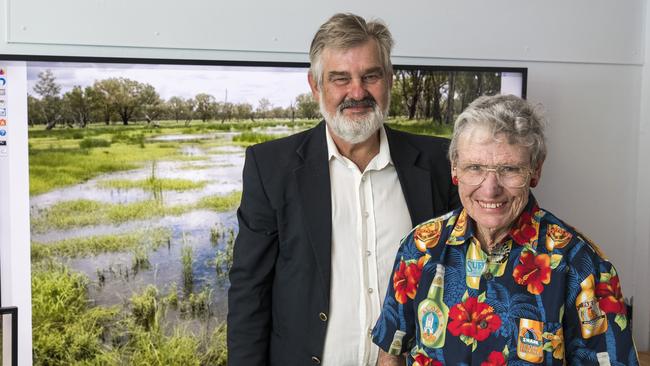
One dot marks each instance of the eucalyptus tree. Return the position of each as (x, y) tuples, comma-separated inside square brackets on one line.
[(78, 105), (411, 84), (50, 99), (128, 97), (204, 106), (176, 107), (152, 106), (307, 107)]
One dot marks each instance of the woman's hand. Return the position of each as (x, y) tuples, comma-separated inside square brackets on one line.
[(389, 360)]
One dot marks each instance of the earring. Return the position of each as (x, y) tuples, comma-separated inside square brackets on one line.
[(454, 180), (533, 183)]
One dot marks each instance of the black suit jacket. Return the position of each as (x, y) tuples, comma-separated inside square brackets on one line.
[(280, 278)]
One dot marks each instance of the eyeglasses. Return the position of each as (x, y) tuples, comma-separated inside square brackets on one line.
[(511, 176)]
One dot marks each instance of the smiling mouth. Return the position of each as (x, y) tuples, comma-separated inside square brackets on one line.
[(491, 204)]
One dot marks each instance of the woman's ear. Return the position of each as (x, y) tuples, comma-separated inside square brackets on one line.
[(536, 175)]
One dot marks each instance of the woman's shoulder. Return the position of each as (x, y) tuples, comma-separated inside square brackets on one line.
[(558, 235), (426, 236)]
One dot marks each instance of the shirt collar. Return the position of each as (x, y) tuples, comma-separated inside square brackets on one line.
[(380, 161), (525, 231)]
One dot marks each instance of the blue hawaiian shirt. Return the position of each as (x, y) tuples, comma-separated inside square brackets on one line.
[(545, 295)]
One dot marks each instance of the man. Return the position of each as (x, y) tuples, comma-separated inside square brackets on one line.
[(323, 211)]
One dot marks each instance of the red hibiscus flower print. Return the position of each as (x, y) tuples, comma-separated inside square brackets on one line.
[(405, 281), (424, 360), (610, 296), (534, 271), (473, 319), (494, 359), (525, 230)]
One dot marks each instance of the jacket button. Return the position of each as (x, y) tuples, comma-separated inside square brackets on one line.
[(323, 317), (315, 360)]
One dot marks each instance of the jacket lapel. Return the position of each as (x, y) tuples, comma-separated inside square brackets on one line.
[(414, 179), (313, 182)]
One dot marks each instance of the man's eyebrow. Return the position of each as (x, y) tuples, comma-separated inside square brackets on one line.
[(375, 69), (337, 73)]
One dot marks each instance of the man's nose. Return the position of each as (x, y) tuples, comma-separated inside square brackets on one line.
[(357, 89)]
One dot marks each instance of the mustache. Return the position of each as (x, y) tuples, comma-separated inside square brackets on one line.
[(365, 102)]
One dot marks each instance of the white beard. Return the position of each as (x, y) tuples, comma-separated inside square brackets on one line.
[(353, 131)]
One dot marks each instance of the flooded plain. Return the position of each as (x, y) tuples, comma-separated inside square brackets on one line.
[(115, 276)]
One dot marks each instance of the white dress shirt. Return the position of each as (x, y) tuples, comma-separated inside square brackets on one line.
[(369, 218)]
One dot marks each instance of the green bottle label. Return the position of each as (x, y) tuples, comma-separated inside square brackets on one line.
[(433, 313)]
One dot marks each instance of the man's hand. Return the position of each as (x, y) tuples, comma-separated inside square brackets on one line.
[(389, 360)]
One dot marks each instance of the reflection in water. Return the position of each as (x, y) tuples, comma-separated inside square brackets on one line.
[(115, 279), (224, 178)]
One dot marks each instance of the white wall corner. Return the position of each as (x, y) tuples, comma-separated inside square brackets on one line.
[(642, 224)]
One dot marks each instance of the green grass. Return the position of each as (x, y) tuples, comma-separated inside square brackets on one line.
[(250, 138), (144, 307), (69, 214), (55, 168), (88, 143), (93, 245), (422, 127), (68, 331), (224, 258), (166, 184), (197, 304), (77, 213), (187, 259), (65, 330), (57, 160), (223, 203)]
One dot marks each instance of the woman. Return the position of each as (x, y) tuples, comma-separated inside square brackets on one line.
[(501, 280)]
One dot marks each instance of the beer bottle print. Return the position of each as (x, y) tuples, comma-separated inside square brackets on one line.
[(474, 264), (433, 312), (592, 320)]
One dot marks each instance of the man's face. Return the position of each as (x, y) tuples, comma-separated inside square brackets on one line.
[(354, 95)]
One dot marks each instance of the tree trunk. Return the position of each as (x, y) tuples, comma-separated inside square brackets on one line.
[(450, 98)]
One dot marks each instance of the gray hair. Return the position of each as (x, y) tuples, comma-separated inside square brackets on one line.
[(344, 31), (507, 115)]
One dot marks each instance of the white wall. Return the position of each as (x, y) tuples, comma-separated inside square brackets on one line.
[(586, 60), (641, 252)]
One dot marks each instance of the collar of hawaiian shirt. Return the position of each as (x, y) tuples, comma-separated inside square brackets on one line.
[(524, 232)]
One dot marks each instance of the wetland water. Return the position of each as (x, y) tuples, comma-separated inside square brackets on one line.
[(113, 275)]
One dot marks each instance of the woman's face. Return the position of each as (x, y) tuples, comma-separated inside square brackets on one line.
[(492, 205)]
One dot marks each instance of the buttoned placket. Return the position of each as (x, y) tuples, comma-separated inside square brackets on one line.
[(369, 260), (362, 225)]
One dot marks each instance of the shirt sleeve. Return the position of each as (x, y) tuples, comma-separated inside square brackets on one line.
[(394, 331), (596, 322)]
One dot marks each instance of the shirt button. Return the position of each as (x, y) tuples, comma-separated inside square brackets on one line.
[(323, 317), (366, 214), (315, 360), (488, 276), (363, 179), (368, 253), (370, 290)]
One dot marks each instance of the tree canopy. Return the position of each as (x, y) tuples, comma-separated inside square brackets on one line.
[(437, 96)]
